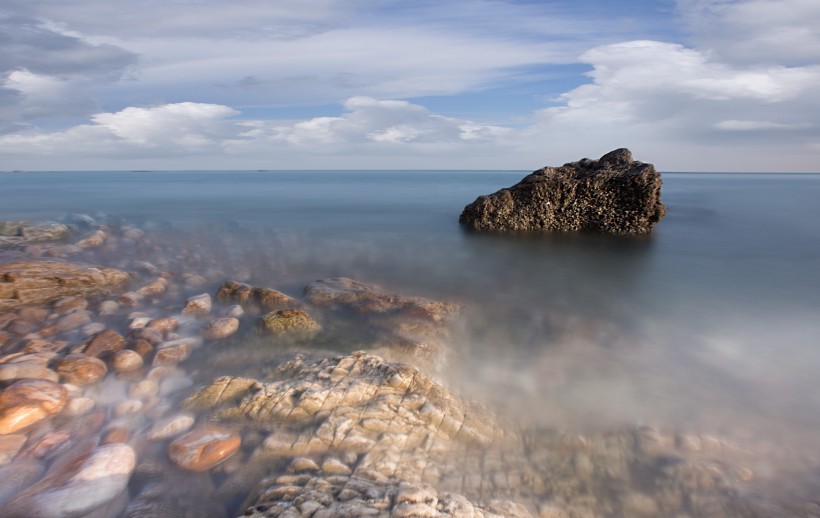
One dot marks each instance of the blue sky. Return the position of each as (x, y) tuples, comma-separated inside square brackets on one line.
[(691, 85)]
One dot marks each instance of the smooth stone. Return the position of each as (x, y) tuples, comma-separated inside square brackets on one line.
[(156, 287), (106, 341), (108, 307), (79, 406), (73, 320), (220, 328), (126, 361), (66, 304), (289, 323), (198, 305), (144, 389), (47, 445), (95, 240), (27, 402), (163, 325), (170, 427), (78, 486), (130, 299), (128, 407), (175, 351), (138, 323), (80, 369), (234, 311), (92, 328), (9, 446), (26, 370), (204, 448)]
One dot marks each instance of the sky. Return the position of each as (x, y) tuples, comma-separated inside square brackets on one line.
[(689, 85)]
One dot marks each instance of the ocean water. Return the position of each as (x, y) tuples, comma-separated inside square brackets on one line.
[(709, 325)]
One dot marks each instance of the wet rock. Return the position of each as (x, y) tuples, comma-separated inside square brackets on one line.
[(95, 240), (37, 282), (101, 344), (203, 448), (9, 446), (130, 299), (126, 361), (80, 369), (79, 406), (234, 311), (73, 320), (18, 233), (154, 288), (294, 324), (47, 445), (198, 305), (77, 487), (612, 195), (24, 370), (163, 325), (144, 389), (128, 407), (170, 427), (108, 307), (66, 304), (175, 351), (342, 292), (255, 300), (219, 328), (27, 402)]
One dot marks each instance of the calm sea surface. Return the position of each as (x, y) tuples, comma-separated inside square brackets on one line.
[(710, 324)]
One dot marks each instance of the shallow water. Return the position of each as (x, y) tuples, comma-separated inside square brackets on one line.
[(707, 326)]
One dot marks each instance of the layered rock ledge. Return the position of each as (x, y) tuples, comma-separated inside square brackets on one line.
[(613, 195)]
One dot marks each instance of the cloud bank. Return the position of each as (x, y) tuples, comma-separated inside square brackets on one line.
[(191, 85)]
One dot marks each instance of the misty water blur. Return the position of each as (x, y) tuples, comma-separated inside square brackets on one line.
[(708, 325)]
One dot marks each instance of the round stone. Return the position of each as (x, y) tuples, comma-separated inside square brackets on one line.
[(80, 369), (126, 361), (203, 448), (219, 328)]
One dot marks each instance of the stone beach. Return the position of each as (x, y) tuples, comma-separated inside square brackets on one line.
[(120, 396)]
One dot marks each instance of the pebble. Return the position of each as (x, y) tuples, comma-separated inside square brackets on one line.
[(128, 407), (92, 328), (108, 307), (80, 369), (47, 445), (9, 446), (126, 361), (198, 305), (116, 433), (175, 351), (220, 328), (138, 323), (73, 320), (235, 311), (170, 427), (130, 299), (27, 402), (77, 487), (156, 287), (144, 389), (106, 341), (163, 325), (66, 304), (26, 370), (203, 448), (79, 406)]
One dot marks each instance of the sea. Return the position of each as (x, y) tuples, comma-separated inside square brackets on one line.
[(710, 324)]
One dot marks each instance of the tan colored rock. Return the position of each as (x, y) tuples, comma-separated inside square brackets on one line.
[(220, 328), (18, 233), (163, 325), (38, 282), (255, 300), (95, 240), (101, 344), (77, 487), (27, 402), (26, 370), (198, 305), (130, 299), (143, 389), (345, 293), (108, 307), (10, 445), (80, 369), (289, 324), (66, 304), (156, 287), (170, 427), (175, 351), (79, 406), (73, 320), (126, 361), (203, 448)]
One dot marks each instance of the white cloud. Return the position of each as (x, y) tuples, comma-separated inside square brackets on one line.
[(756, 31)]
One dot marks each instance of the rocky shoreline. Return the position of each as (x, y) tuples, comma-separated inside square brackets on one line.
[(116, 401)]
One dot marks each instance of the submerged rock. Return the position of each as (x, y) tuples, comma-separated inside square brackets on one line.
[(78, 486), (29, 401), (203, 448), (342, 292), (294, 324), (35, 282), (614, 195), (13, 233), (255, 300)]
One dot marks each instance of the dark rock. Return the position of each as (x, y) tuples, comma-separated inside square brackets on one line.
[(35, 282), (614, 195)]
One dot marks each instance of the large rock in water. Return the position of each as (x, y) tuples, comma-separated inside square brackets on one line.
[(614, 195), (35, 282)]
